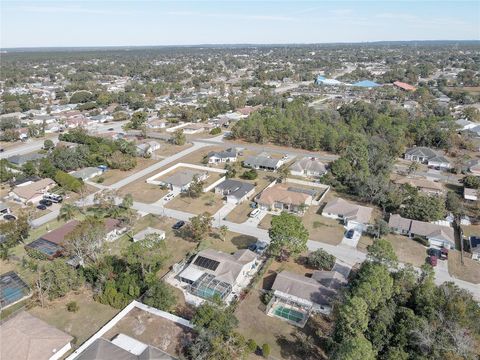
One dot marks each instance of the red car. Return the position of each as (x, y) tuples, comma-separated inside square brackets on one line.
[(432, 260)]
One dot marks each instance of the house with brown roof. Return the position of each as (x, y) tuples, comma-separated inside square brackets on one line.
[(282, 197), (424, 185), (32, 192), (25, 337), (437, 235), (352, 215), (296, 296), (404, 86)]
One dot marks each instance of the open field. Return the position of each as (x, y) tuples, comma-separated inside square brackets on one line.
[(143, 192), (469, 271), (473, 90), (321, 228), (169, 149), (82, 324), (207, 202)]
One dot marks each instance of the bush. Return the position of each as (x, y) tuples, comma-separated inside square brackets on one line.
[(266, 297), (321, 260), (421, 240), (68, 182), (250, 174), (72, 306), (215, 131), (266, 350), (100, 180), (252, 345)]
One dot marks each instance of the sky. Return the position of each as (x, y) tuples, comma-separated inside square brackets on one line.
[(145, 23)]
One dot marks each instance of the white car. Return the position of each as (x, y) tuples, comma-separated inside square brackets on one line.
[(254, 213)]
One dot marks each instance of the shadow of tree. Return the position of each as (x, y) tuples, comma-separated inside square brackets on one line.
[(243, 241)]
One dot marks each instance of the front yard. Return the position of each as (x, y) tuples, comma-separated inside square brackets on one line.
[(469, 271), (407, 250), (207, 202)]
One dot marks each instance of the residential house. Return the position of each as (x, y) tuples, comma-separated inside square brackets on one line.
[(52, 243), (4, 208), (180, 181), (156, 124), (25, 337), (474, 242), (214, 273), (308, 167), (263, 162), (87, 173), (282, 197), (296, 296), (22, 159), (352, 215), (235, 191), (147, 148), (148, 231), (32, 192), (404, 86), (424, 185), (437, 235), (470, 194), (425, 155), (474, 167), (216, 157)]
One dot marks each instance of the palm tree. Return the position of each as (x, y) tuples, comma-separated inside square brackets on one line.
[(67, 212), (222, 232)]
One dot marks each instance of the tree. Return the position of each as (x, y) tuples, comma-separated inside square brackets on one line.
[(119, 160), (321, 260), (382, 251), (127, 201), (15, 231), (200, 226), (67, 211), (48, 144), (472, 182), (354, 349), (137, 120), (179, 138), (249, 174), (222, 231), (424, 208), (266, 350), (453, 203), (287, 234), (214, 319), (160, 296), (86, 240), (147, 254), (68, 182), (351, 318), (56, 279), (196, 188)]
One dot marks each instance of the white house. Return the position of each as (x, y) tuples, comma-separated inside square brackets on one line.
[(308, 167), (235, 191), (352, 215), (470, 194), (180, 181), (229, 155)]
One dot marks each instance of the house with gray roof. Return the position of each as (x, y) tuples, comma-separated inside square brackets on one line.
[(352, 215), (180, 181), (263, 162), (296, 296), (87, 173), (425, 155), (235, 191), (216, 157), (22, 159), (308, 167), (436, 235)]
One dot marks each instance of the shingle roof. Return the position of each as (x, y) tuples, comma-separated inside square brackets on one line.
[(229, 153), (422, 228), (309, 164), (181, 178), (348, 210), (30, 190), (25, 337), (262, 161), (235, 188), (421, 151), (281, 193)]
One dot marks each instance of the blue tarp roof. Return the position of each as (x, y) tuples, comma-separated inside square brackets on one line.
[(366, 83)]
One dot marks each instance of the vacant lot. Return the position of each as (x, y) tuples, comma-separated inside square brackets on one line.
[(408, 250), (112, 176), (209, 202), (143, 192), (469, 271), (321, 228), (82, 324)]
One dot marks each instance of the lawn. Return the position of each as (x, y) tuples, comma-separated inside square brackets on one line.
[(469, 271), (407, 250), (114, 175), (207, 202), (82, 324), (265, 223), (321, 228), (143, 192)]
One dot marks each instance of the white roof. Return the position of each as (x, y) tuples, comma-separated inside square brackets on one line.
[(191, 273), (149, 230), (130, 344)]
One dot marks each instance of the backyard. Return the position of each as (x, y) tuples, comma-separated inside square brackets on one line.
[(469, 271)]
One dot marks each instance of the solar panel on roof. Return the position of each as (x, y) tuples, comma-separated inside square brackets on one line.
[(206, 263)]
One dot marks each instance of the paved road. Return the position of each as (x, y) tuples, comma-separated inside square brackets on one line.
[(25, 148), (432, 174)]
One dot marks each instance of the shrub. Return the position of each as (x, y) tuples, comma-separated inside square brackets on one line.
[(266, 350), (320, 259), (252, 345), (215, 131), (266, 297), (250, 174), (100, 180), (72, 306)]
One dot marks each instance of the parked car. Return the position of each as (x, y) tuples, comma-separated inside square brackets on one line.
[(111, 129), (350, 233), (441, 254), (53, 198), (9, 217), (45, 202), (168, 197), (432, 260), (254, 213), (41, 207), (178, 225)]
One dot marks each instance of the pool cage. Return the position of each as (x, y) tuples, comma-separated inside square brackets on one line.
[(12, 289), (207, 287), (294, 312)]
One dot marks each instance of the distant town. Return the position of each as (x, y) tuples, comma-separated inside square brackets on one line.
[(241, 202)]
